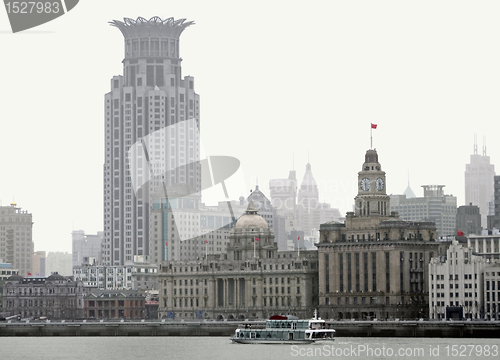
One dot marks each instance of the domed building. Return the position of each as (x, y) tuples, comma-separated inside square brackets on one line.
[(375, 265), (252, 280), (251, 237)]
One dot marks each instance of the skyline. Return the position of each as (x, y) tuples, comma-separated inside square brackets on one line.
[(274, 85)]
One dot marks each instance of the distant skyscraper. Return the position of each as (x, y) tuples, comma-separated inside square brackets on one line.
[(59, 262), (284, 194), (479, 176), (140, 113), (469, 219), (308, 199), (86, 247), (435, 206), (39, 258), (16, 244), (494, 219)]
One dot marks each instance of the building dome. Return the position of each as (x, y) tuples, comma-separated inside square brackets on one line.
[(251, 219), (56, 276)]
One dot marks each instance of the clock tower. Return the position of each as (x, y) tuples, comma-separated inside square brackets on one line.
[(372, 198)]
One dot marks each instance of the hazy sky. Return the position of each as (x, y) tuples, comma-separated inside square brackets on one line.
[(275, 78)]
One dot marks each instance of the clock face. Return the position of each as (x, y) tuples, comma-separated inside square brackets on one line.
[(380, 184), (365, 184)]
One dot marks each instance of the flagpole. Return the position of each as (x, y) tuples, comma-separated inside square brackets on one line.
[(254, 246), (371, 139)]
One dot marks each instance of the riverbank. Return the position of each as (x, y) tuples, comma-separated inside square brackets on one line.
[(424, 329)]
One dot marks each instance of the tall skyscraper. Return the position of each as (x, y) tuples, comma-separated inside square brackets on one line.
[(479, 176), (151, 133), (16, 244)]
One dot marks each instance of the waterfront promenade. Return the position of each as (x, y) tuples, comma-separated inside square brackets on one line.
[(427, 329)]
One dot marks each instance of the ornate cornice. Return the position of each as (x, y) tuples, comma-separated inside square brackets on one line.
[(153, 27)]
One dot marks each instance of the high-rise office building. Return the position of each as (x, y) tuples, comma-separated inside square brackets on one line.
[(434, 206), (479, 176), (16, 244), (151, 133)]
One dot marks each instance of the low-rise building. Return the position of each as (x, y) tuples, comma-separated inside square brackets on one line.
[(116, 277), (54, 297), (456, 284), (115, 304)]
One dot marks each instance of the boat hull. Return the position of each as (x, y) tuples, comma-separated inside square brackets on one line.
[(271, 341)]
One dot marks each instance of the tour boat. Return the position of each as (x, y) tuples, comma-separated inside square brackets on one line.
[(285, 330)]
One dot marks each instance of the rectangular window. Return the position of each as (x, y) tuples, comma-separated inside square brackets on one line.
[(150, 76), (374, 271)]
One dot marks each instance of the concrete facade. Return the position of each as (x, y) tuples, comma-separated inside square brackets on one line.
[(456, 284), (487, 246), (492, 292)]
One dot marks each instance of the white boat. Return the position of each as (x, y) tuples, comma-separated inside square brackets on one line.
[(285, 330)]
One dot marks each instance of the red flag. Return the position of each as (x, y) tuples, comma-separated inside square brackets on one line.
[(166, 243), (374, 126), (206, 241), (29, 274), (459, 233), (298, 238), (256, 239)]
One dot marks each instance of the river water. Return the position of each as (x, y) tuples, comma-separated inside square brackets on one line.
[(221, 348)]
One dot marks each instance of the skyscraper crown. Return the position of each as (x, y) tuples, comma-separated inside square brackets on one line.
[(153, 27)]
